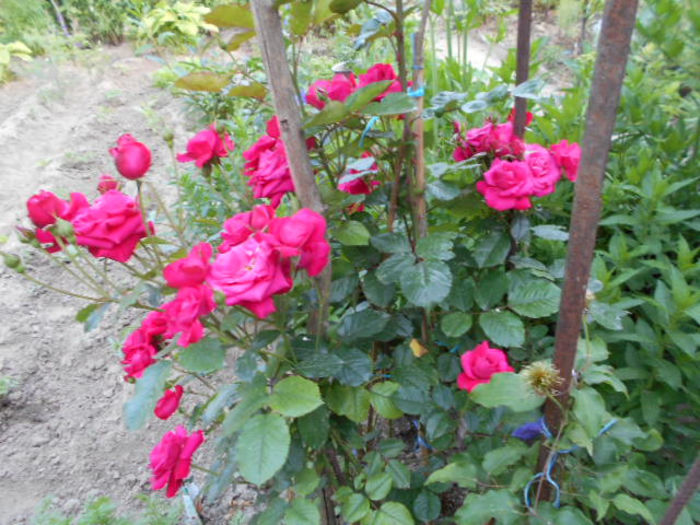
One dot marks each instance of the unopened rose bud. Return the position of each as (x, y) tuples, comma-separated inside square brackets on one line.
[(131, 157), (219, 298), (169, 137), (63, 228), (20, 268), (11, 260)]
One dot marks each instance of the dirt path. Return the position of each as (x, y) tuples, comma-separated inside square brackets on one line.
[(61, 431)]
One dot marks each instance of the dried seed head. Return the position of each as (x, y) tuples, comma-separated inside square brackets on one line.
[(543, 377)]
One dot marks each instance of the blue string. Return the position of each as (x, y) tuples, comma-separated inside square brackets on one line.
[(551, 462), (420, 442), (416, 93), (367, 129)]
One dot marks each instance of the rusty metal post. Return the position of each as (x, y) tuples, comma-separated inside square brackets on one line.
[(522, 71), (613, 49)]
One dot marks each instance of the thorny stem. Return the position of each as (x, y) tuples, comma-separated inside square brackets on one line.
[(154, 255), (65, 292), (90, 281)]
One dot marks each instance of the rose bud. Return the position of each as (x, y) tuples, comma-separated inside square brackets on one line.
[(132, 158), (107, 182), (44, 208)]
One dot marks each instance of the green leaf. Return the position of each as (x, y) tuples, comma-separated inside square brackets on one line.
[(300, 17), (354, 508), (491, 288), (392, 104), (537, 298), (149, 389), (332, 112), (411, 400), (356, 367), (94, 316), (252, 90), (352, 233), (320, 364), (203, 81), (253, 397), (203, 357), (230, 16), (400, 473), (377, 293), (223, 398), (436, 246), (391, 243), (262, 447), (343, 6), (427, 506), (506, 389), (503, 328), (529, 89), (632, 505), (464, 474), (362, 325), (550, 232), (378, 486), (492, 250), (391, 270), (455, 324), (238, 39), (589, 410), (351, 402), (443, 191), (363, 96), (474, 105), (496, 461), (382, 401), (295, 396), (302, 511), (314, 427), (480, 508), (392, 513), (426, 283)]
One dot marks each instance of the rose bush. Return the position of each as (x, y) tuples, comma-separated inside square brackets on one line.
[(385, 363)]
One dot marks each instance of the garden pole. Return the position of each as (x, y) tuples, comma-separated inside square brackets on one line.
[(687, 490), (271, 40), (613, 49), (522, 70)]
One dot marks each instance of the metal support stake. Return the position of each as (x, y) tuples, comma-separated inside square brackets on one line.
[(522, 71)]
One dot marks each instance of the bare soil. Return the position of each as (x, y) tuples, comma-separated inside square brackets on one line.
[(61, 428)]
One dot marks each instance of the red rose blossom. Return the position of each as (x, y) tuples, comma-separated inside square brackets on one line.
[(206, 146), (249, 274), (339, 88), (171, 459), (545, 173), (479, 364), (111, 227), (377, 73), (507, 185), (131, 157), (45, 208), (567, 157), (183, 313), (240, 227), (303, 234), (190, 270), (139, 354), (360, 185), (167, 405)]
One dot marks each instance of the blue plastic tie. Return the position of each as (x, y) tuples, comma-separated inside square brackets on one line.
[(551, 462), (367, 129), (416, 93), (420, 442)]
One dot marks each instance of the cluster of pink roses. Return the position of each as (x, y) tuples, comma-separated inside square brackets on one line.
[(111, 227), (342, 85), (171, 459), (480, 364), (518, 170)]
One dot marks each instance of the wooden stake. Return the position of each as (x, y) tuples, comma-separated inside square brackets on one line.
[(522, 71), (613, 49)]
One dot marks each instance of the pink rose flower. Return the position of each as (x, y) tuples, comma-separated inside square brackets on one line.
[(183, 313), (249, 274), (303, 234), (167, 405), (240, 227), (206, 146), (111, 227), (567, 157), (338, 89), (273, 178), (528, 117), (502, 141), (45, 208), (479, 364), (139, 354), (360, 186), (132, 158), (377, 73), (154, 326), (190, 270), (545, 173), (507, 185), (107, 183), (171, 459)]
